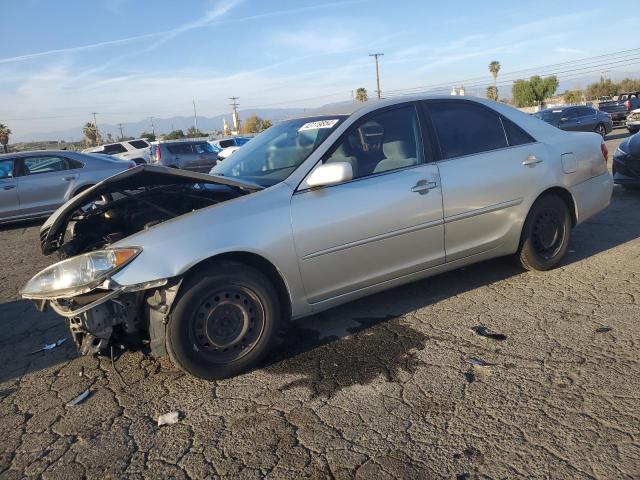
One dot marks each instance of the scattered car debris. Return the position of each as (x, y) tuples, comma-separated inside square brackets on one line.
[(51, 346), (603, 329), (483, 331), (79, 399), (169, 418), (479, 362)]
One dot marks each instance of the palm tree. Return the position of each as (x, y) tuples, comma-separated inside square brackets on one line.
[(494, 68), (361, 94), (90, 133), (4, 136), (492, 93)]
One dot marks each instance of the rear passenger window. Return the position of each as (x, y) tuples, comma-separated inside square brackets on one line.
[(387, 141), (180, 149), (586, 112), (465, 129), (515, 135), (44, 164), (138, 144)]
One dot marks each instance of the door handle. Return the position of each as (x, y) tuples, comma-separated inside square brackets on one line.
[(423, 186), (531, 161), (68, 178), (8, 187)]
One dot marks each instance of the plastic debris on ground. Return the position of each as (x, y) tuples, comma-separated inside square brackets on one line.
[(79, 399), (483, 331), (168, 418), (51, 346), (603, 329)]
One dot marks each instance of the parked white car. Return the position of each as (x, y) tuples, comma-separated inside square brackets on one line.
[(136, 150)]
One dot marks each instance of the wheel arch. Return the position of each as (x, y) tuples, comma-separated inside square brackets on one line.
[(256, 261), (565, 195), (81, 189)]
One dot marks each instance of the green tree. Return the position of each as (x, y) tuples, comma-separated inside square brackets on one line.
[(148, 136), (528, 93), (629, 85), (572, 97), (174, 135), (4, 136), (603, 88), (90, 133), (494, 68), (492, 93), (361, 94), (192, 132), (254, 124)]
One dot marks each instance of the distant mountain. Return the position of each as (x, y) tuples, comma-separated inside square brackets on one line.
[(162, 125)]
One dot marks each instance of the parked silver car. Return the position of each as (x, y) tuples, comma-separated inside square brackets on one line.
[(310, 214), (34, 184)]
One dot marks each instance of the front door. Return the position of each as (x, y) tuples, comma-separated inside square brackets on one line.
[(383, 224)]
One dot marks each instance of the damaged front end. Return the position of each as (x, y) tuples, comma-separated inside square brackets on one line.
[(85, 231)]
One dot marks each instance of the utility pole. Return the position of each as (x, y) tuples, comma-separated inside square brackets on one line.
[(376, 55), (153, 127), (121, 134), (95, 124), (195, 116), (236, 120)]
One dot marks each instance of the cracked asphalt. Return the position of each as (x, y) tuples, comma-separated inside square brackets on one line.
[(396, 385)]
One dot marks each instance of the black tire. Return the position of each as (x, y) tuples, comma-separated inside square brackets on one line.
[(546, 234), (225, 322), (601, 130)]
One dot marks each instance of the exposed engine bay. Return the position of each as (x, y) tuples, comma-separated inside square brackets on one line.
[(118, 207)]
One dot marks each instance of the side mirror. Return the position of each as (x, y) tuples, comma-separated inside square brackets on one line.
[(330, 174)]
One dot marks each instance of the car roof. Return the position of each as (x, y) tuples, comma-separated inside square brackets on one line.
[(37, 152)]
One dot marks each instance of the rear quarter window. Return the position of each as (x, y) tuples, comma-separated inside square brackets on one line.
[(114, 148), (515, 135), (138, 144)]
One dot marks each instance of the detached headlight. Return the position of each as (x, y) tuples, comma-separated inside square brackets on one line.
[(79, 274)]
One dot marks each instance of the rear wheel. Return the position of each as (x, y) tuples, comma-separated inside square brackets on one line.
[(601, 130), (546, 234), (225, 322)]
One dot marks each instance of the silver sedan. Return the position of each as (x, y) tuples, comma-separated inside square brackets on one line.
[(35, 184), (312, 213)]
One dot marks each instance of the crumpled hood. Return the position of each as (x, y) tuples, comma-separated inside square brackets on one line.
[(141, 176)]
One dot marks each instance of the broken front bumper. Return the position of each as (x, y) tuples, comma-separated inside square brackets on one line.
[(116, 313)]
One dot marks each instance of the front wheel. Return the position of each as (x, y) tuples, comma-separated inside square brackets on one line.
[(225, 322), (601, 130), (546, 234)]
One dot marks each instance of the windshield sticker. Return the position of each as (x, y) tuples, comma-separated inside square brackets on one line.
[(319, 124)]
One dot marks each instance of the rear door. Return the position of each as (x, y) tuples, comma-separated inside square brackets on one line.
[(488, 166), (9, 204), (45, 182), (206, 156), (587, 118)]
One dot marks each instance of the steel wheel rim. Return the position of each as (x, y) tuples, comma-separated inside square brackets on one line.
[(227, 324), (548, 233), (601, 130)]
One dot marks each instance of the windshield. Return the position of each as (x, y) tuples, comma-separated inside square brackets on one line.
[(549, 116), (273, 155)]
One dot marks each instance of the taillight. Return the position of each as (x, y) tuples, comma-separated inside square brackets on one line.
[(158, 154), (628, 105), (605, 152)]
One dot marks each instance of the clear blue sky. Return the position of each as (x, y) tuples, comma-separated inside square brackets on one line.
[(128, 59)]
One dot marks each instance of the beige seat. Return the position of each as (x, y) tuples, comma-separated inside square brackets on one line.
[(399, 155)]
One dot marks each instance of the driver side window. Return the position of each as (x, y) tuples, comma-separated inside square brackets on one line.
[(387, 141)]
